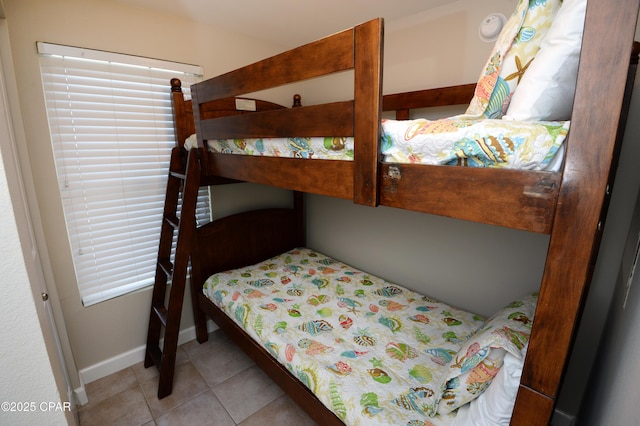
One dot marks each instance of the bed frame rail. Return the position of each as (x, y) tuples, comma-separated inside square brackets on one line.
[(403, 103), (225, 107), (358, 49)]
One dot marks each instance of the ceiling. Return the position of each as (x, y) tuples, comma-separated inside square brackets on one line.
[(289, 22)]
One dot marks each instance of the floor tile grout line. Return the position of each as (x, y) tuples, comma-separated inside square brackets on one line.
[(140, 379), (183, 403), (94, 403)]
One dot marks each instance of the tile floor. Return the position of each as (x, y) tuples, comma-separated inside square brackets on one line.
[(215, 384)]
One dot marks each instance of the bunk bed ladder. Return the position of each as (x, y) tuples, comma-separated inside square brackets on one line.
[(184, 177)]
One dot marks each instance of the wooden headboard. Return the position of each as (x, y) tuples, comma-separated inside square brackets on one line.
[(183, 109)]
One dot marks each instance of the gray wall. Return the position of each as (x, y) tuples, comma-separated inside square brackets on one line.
[(623, 199), (612, 397), (477, 267)]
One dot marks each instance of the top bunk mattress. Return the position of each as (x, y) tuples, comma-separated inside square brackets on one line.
[(373, 352), (459, 141)]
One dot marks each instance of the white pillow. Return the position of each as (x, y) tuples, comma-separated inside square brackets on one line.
[(547, 88), (191, 142), (495, 406)]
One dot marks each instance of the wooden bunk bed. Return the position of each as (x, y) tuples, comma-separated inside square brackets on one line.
[(570, 205)]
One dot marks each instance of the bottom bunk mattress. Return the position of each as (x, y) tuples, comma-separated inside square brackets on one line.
[(373, 352)]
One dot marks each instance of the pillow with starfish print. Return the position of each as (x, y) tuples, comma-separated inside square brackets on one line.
[(479, 360), (511, 57)]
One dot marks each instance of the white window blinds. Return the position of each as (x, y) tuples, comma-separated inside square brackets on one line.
[(112, 132)]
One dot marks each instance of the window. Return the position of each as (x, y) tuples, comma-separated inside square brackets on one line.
[(112, 132)]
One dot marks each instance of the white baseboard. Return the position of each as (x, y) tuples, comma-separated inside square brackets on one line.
[(80, 396), (560, 418), (125, 360)]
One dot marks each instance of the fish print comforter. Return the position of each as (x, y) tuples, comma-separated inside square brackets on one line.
[(475, 142), (462, 140), (373, 352), (321, 148)]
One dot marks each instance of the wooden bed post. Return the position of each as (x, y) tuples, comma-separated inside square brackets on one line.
[(182, 114), (368, 110), (295, 236), (581, 209)]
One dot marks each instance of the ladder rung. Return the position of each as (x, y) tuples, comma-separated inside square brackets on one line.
[(162, 313), (179, 175), (166, 266), (156, 355), (173, 221)]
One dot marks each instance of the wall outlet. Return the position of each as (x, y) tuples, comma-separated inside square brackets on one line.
[(245, 105)]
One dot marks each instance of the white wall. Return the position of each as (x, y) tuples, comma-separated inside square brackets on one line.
[(437, 48), (27, 370), (24, 275)]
